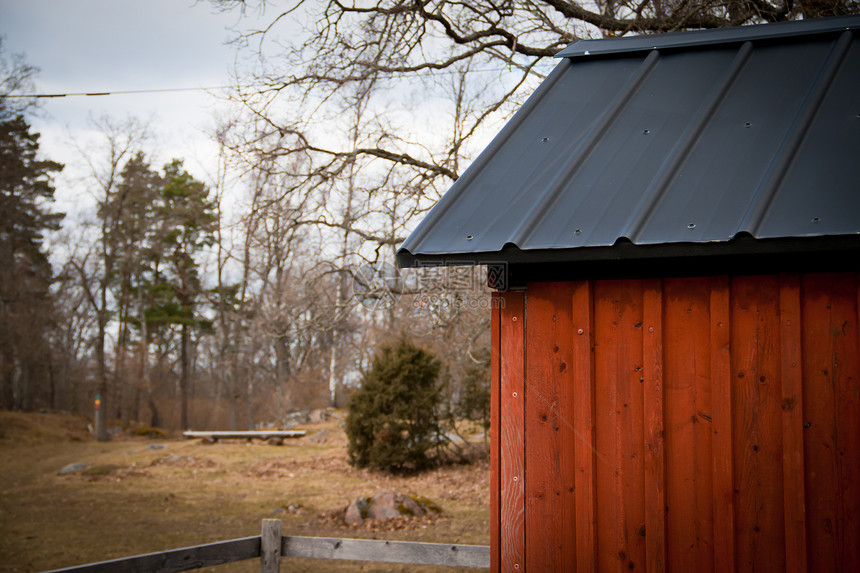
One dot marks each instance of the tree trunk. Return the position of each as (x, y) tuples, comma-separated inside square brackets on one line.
[(134, 408), (234, 412), (7, 366), (120, 377), (249, 404), (99, 422), (332, 375), (154, 416), (183, 378)]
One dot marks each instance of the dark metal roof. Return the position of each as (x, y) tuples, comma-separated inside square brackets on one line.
[(687, 138)]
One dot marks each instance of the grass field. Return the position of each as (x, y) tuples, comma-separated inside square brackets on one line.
[(142, 495)]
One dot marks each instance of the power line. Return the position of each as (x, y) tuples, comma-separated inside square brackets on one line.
[(121, 92), (166, 90)]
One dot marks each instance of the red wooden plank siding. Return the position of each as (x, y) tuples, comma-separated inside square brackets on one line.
[(585, 455), (631, 429), (654, 453), (846, 387), (819, 407), (757, 424), (682, 424), (512, 363), (687, 372), (721, 402), (605, 383), (696, 291), (619, 427), (849, 431), (792, 423), (549, 471), (495, 433)]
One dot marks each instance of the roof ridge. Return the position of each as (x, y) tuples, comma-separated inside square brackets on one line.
[(692, 38)]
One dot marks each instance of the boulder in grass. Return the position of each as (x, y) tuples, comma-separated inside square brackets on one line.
[(356, 512), (384, 505), (318, 415), (73, 468)]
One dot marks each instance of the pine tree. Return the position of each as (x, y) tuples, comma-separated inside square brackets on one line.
[(26, 191), (188, 219)]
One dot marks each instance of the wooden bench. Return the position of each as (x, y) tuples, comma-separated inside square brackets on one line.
[(275, 437)]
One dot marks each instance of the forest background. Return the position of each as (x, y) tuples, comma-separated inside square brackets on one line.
[(231, 300)]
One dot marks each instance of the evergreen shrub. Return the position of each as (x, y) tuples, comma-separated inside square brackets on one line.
[(393, 421)]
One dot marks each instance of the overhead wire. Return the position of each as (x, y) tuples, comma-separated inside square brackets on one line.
[(166, 90), (119, 92)]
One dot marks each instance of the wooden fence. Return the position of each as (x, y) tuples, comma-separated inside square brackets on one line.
[(270, 546)]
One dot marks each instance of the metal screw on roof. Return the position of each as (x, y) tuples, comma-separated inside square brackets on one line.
[(577, 232), (469, 237), (691, 225), (747, 124), (816, 219), (545, 139), (646, 131)]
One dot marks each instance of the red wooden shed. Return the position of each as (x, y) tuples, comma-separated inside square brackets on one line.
[(673, 224)]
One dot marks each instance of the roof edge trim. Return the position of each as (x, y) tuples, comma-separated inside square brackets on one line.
[(742, 244)]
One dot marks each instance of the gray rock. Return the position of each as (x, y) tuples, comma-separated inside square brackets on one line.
[(318, 415), (293, 418), (385, 505), (357, 511), (156, 446), (73, 468)]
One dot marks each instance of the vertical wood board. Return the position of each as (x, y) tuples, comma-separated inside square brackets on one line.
[(689, 418), (792, 423), (495, 432), (721, 400), (654, 490), (512, 475), (819, 406), (549, 485), (757, 424), (585, 455), (846, 387), (618, 376)]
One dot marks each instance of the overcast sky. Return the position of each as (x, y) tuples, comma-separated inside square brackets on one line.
[(117, 45)]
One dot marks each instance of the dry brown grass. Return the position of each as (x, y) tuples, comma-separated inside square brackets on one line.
[(133, 499)]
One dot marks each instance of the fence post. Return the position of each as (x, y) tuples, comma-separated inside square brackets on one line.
[(270, 546)]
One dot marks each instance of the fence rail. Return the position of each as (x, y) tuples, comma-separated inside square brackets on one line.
[(270, 546)]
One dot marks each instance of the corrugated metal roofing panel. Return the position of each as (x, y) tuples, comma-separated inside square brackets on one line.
[(686, 145)]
